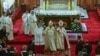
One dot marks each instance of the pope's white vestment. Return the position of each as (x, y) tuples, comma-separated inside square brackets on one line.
[(32, 23), (60, 38), (9, 27), (25, 24), (50, 39), (38, 34)]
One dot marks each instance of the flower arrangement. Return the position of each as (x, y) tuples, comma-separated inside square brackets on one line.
[(76, 26)]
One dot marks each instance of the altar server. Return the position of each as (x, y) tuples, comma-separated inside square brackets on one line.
[(50, 37), (32, 22), (39, 38), (25, 24), (38, 33), (60, 36)]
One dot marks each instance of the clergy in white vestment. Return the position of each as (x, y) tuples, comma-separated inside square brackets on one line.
[(32, 22), (38, 34), (39, 38), (25, 24), (9, 27), (50, 37), (60, 36)]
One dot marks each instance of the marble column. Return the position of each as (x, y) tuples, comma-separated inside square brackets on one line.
[(47, 4), (68, 4), (42, 4), (75, 3)]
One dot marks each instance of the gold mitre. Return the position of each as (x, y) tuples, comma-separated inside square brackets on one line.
[(60, 23), (50, 23)]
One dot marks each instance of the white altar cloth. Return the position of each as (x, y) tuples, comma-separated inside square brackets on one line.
[(58, 12)]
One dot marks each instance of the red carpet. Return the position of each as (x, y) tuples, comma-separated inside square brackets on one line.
[(93, 25)]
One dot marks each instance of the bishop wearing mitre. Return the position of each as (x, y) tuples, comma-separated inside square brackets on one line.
[(50, 37), (60, 36)]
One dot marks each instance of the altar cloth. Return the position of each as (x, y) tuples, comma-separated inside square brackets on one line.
[(57, 12)]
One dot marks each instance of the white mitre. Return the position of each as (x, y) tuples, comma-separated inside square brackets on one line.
[(60, 23), (50, 23)]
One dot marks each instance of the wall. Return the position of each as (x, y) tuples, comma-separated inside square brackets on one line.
[(88, 4), (30, 3)]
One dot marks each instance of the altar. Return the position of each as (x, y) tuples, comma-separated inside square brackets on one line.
[(58, 10)]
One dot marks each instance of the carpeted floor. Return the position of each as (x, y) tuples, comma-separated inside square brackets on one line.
[(93, 34), (93, 25)]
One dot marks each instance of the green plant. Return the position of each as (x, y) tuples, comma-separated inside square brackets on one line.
[(76, 27)]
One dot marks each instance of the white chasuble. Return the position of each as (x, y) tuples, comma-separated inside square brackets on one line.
[(60, 38), (50, 39), (38, 34), (9, 28), (25, 24)]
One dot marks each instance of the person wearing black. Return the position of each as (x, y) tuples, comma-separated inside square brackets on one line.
[(79, 47), (88, 47), (2, 48), (3, 33), (23, 7), (30, 53), (31, 46), (2, 43), (2, 51), (97, 51), (84, 52), (11, 51)]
